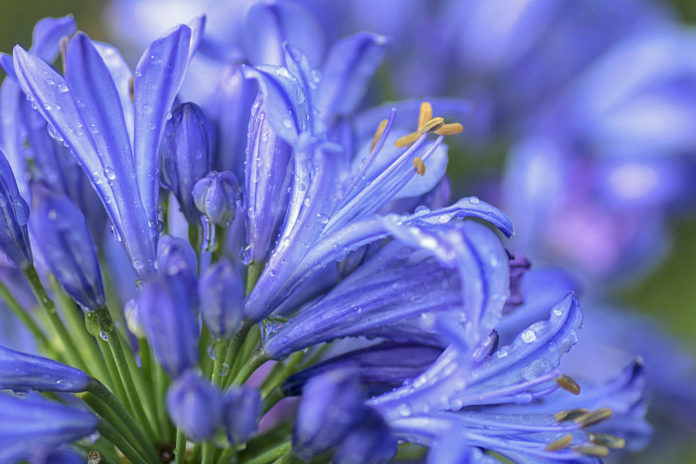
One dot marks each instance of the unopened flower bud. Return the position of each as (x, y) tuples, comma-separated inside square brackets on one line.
[(176, 259), (14, 236), (221, 294), (186, 154), (242, 409), (216, 196), (195, 406)]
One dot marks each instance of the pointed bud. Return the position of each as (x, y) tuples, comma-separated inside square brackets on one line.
[(331, 405), (169, 324), (195, 406), (241, 413), (37, 426), (176, 259), (216, 196), (221, 294), (371, 442), (14, 212), (267, 182), (22, 371), (64, 243), (186, 154)]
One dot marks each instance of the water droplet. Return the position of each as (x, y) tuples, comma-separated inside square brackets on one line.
[(109, 174), (474, 200), (528, 336), (103, 335)]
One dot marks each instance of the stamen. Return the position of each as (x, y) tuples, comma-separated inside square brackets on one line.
[(559, 444), (449, 129), (419, 165), (425, 115), (431, 125), (570, 414), (378, 133), (595, 417), (407, 140), (568, 384), (604, 439), (592, 450), (131, 90)]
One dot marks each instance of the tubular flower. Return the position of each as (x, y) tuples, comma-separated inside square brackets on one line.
[(340, 273)]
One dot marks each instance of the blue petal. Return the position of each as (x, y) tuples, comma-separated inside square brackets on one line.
[(308, 78), (269, 24), (48, 33), (347, 71), (11, 136), (158, 76), (284, 100), (14, 236), (122, 77), (21, 371)]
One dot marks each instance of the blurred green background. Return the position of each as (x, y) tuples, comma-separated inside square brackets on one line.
[(668, 293)]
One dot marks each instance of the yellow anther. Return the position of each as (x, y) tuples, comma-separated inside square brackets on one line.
[(449, 129), (592, 450), (407, 140), (425, 115), (570, 414), (559, 444), (431, 125), (604, 439), (568, 384), (419, 165), (378, 133), (595, 417)]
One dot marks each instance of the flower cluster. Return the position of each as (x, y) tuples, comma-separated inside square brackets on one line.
[(275, 243)]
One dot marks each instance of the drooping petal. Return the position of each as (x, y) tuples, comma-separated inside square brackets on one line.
[(348, 68), (62, 238), (158, 77), (14, 235), (21, 371)]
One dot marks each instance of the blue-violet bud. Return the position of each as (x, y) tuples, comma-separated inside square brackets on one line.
[(176, 259), (216, 196), (186, 154), (241, 413), (195, 406), (370, 442), (62, 238), (14, 236), (169, 324), (22, 371), (221, 294), (332, 403)]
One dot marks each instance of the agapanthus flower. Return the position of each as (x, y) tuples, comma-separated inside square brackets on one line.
[(333, 239)]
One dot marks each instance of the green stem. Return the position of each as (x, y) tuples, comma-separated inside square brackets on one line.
[(109, 408), (88, 349), (227, 455), (271, 399), (208, 453), (284, 370), (23, 316), (219, 246), (256, 361), (220, 352), (161, 384), (271, 454), (55, 320), (107, 326), (165, 212), (111, 434), (136, 375), (233, 349), (253, 273), (180, 450)]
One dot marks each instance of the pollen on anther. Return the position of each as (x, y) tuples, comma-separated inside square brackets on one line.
[(406, 140), (559, 444), (571, 414), (131, 89), (595, 417), (425, 114), (431, 125), (419, 165), (605, 439), (568, 384), (378, 133), (449, 129), (592, 450)]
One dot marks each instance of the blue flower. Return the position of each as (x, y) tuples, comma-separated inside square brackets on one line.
[(21, 371), (195, 406), (216, 196), (14, 235), (119, 148), (242, 409), (221, 293), (30, 428)]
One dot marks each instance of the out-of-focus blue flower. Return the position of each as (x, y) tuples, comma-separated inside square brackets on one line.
[(21, 371), (119, 148), (371, 442), (186, 153), (221, 294), (169, 323), (14, 235), (31, 427), (177, 260), (242, 409), (332, 405), (195, 406), (66, 248), (216, 196)]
